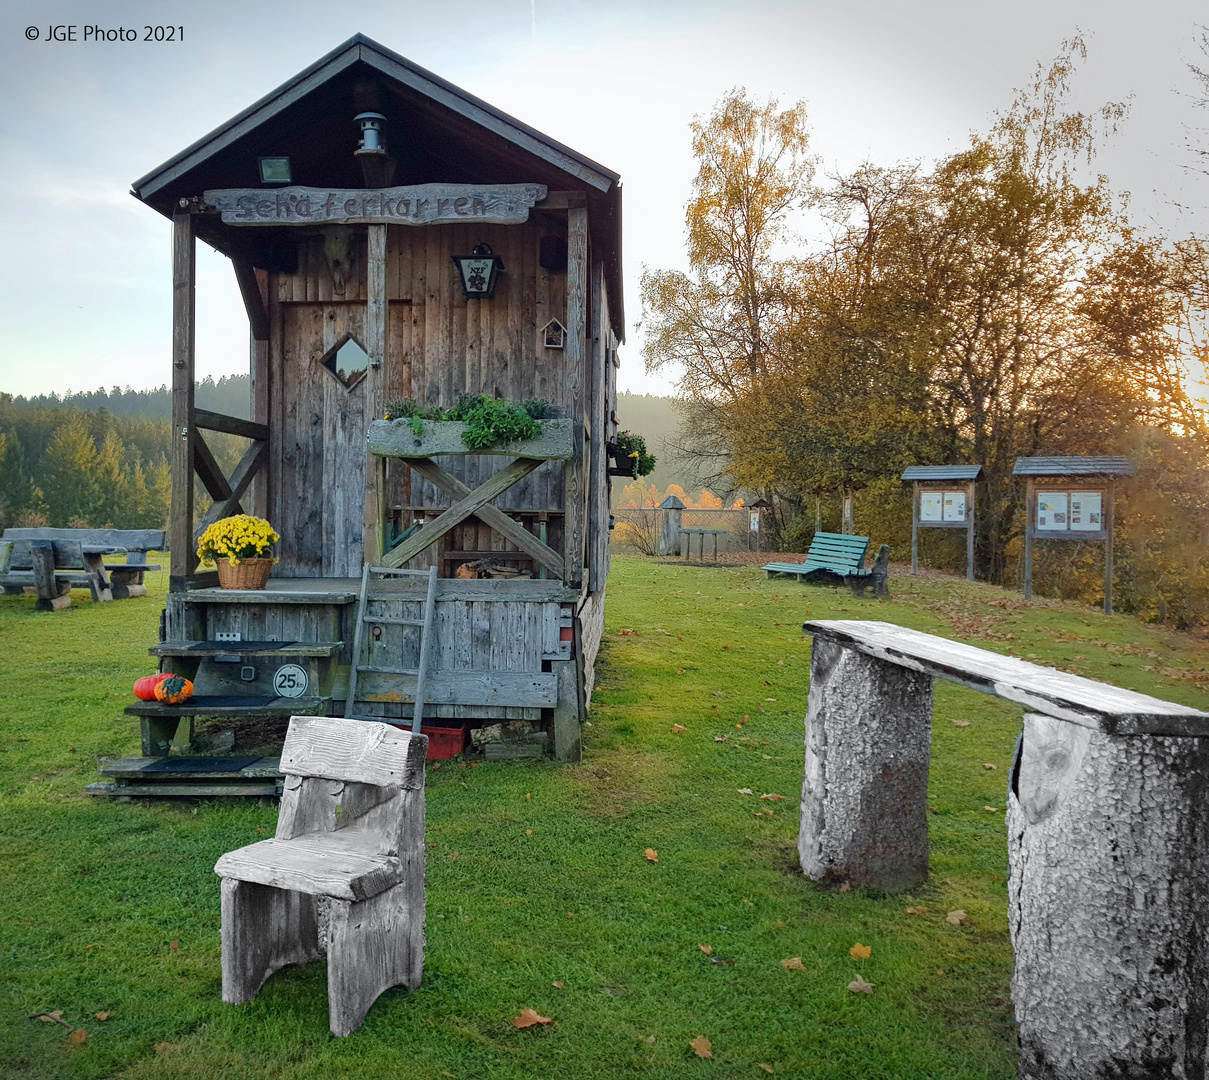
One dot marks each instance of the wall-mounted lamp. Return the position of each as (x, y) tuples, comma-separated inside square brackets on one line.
[(478, 272), (275, 170)]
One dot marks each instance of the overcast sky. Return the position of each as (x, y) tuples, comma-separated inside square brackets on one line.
[(85, 278)]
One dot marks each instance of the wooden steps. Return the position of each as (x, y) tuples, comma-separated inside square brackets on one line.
[(190, 777), (233, 705), (246, 648)]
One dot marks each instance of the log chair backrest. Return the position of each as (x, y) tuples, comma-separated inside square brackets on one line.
[(342, 774), (130, 539), (68, 554)]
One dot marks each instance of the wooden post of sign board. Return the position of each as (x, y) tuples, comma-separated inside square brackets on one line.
[(915, 528), (375, 403), (183, 558), (1107, 515), (577, 301), (1029, 511), (970, 531)]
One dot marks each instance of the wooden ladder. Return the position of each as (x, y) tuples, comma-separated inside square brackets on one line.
[(425, 624)]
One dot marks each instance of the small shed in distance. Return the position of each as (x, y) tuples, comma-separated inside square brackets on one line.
[(942, 498), (1070, 498)]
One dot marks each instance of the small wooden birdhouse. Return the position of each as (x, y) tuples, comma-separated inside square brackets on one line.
[(554, 335)]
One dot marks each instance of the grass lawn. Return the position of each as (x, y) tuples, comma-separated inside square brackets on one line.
[(536, 872)]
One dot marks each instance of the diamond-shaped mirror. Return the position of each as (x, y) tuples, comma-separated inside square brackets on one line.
[(348, 362)]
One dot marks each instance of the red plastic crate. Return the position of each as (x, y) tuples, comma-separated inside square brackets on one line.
[(445, 742)]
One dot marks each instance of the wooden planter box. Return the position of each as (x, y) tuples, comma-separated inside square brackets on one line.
[(397, 438)]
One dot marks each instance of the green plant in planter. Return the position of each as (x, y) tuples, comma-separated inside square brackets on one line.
[(629, 446), (488, 420)]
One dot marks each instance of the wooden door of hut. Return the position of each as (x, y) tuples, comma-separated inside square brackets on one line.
[(342, 199)]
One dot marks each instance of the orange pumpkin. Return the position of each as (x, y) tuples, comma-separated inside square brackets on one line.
[(144, 688), (173, 690)]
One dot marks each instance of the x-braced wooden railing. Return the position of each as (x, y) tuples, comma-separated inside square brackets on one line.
[(226, 491)]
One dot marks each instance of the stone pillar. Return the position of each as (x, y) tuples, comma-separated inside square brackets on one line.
[(1108, 902), (864, 813), (669, 531)]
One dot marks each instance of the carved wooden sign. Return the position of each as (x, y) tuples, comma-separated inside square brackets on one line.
[(422, 204)]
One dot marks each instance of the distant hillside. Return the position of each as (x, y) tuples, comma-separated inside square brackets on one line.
[(230, 395), (654, 418)]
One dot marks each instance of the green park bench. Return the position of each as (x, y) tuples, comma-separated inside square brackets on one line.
[(835, 555)]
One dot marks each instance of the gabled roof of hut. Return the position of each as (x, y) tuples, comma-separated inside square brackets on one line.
[(942, 472), (436, 131)]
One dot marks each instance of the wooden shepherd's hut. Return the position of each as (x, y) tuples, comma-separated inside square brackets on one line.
[(344, 200)]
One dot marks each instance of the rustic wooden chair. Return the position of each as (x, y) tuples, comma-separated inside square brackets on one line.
[(344, 874)]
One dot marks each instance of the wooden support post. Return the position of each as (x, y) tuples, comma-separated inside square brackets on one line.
[(575, 498), (53, 595), (1106, 902), (970, 531), (915, 527), (1109, 514), (864, 811), (258, 364), (375, 387), (567, 719), (1029, 512), (184, 328)]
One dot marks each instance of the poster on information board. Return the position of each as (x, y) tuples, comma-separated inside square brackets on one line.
[(1052, 511), (931, 506), (955, 506), (1086, 511)]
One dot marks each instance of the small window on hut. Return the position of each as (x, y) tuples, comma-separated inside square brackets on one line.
[(348, 362)]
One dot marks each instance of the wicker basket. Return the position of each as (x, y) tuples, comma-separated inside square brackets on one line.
[(246, 574)]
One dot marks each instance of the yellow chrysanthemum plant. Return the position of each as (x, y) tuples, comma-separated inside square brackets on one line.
[(237, 538)]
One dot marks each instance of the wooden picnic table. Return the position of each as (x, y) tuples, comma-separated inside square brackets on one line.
[(47, 565)]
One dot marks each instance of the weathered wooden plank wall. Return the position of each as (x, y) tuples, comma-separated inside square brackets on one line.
[(438, 346)]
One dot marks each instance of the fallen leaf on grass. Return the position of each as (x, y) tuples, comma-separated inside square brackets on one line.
[(651, 1039), (78, 1037), (860, 952), (992, 809), (845, 887), (921, 910), (960, 723), (528, 832), (707, 949), (988, 766), (622, 633), (955, 918), (721, 738), (859, 986), (166, 1047), (260, 830), (651, 855), (701, 1045), (102, 1016), (557, 985), (529, 1017), (794, 963), (766, 1068), (677, 728), (773, 797), (744, 790), (173, 945), (680, 671)]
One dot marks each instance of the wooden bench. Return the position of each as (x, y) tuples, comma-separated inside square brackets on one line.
[(344, 874), (83, 568), (835, 555), (1107, 827), (688, 535)]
